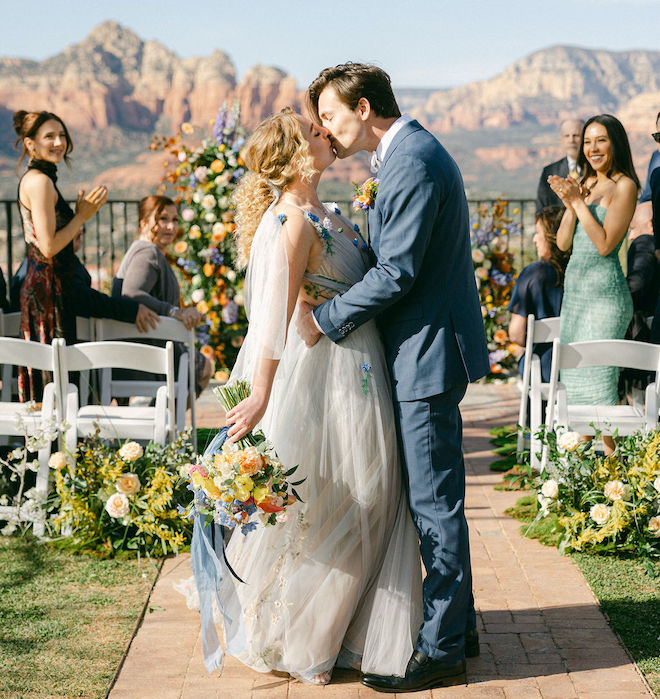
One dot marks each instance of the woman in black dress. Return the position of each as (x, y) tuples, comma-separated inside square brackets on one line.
[(50, 226)]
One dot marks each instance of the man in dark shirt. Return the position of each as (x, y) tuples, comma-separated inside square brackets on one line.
[(88, 302)]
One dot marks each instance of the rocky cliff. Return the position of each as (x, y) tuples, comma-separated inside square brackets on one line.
[(114, 90)]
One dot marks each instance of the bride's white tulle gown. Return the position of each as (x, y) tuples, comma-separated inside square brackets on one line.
[(342, 577)]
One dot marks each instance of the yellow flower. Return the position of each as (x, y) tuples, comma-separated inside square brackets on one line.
[(217, 165), (251, 461), (260, 493), (187, 128), (194, 233), (203, 307)]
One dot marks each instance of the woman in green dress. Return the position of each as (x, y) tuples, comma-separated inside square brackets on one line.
[(597, 304)]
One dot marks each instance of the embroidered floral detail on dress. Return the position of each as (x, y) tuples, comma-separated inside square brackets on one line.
[(282, 218), (366, 368), (323, 230)]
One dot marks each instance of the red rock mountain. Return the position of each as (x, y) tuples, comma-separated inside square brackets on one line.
[(115, 90)]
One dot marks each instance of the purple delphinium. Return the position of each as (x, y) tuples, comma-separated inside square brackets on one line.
[(230, 313)]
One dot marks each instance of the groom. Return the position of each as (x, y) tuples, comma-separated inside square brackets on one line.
[(423, 294)]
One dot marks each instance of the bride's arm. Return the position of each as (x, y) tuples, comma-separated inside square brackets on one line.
[(297, 237)]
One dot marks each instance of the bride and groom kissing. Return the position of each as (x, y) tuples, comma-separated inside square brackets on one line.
[(363, 395)]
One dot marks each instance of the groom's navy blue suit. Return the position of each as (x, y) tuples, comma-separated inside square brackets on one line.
[(423, 293)]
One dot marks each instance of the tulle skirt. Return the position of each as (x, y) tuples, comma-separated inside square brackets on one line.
[(342, 577)]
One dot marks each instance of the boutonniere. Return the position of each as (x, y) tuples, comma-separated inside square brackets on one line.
[(364, 195)]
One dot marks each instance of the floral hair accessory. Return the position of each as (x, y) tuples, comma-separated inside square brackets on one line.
[(364, 195)]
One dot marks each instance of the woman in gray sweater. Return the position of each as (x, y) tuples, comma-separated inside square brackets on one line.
[(145, 274)]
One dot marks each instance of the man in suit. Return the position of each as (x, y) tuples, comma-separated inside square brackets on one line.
[(422, 291), (89, 303), (570, 134)]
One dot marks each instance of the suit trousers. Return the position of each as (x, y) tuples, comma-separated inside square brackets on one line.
[(430, 433)]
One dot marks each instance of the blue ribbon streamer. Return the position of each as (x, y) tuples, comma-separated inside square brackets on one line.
[(213, 579)]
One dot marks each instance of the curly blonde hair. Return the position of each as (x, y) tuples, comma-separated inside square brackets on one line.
[(276, 153)]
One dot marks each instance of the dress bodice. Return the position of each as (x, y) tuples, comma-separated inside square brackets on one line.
[(344, 259), (582, 243)]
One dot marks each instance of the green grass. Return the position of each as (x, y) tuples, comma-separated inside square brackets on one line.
[(627, 594), (66, 620), (631, 601)]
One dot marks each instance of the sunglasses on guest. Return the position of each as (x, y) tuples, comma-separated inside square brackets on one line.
[(656, 136)]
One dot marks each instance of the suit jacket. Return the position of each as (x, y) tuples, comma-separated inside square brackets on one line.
[(544, 195), (87, 302), (422, 287)]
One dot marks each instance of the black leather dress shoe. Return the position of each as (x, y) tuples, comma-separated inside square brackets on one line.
[(422, 673), (472, 644)]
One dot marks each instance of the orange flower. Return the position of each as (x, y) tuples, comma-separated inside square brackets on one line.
[(208, 269), (250, 461), (496, 369), (227, 216), (207, 351), (218, 236), (500, 336), (221, 375), (187, 128), (180, 247), (217, 166), (203, 307)]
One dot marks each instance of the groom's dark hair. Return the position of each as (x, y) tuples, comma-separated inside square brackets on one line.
[(352, 81)]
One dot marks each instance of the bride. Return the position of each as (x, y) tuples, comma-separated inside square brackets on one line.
[(340, 582)]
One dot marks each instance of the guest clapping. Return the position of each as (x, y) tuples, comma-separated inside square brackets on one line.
[(539, 287), (46, 299), (146, 276), (597, 304)]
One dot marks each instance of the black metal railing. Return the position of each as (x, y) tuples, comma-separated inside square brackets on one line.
[(109, 234)]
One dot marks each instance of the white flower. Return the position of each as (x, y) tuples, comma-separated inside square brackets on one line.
[(131, 451), (117, 505), (210, 217), (600, 513), (231, 276), (224, 202), (568, 441), (182, 156), (550, 489), (543, 503), (197, 197), (239, 299), (57, 460), (208, 202), (487, 264), (197, 279), (654, 525), (656, 484), (283, 517), (128, 484), (218, 228), (478, 256), (481, 273), (614, 490), (198, 295)]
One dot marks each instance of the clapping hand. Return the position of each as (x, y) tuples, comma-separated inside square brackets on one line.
[(567, 189), (88, 205)]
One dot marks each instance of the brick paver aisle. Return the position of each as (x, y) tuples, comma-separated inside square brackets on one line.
[(542, 634)]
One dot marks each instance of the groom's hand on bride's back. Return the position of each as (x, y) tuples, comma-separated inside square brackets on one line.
[(305, 324)]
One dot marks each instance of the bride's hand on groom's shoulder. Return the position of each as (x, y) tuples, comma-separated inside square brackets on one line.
[(305, 325), (244, 417)]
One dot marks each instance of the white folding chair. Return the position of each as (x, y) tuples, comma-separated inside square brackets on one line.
[(608, 419), (85, 332), (10, 326), (35, 355), (533, 388), (119, 422), (167, 329)]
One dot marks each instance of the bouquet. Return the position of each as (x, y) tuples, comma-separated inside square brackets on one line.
[(243, 479)]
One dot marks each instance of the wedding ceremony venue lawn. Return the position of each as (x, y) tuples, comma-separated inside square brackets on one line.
[(258, 318)]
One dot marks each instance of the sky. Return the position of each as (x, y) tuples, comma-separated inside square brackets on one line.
[(421, 43)]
